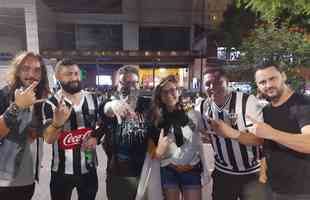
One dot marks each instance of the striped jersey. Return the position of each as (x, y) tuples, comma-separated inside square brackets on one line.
[(231, 156), (68, 157)]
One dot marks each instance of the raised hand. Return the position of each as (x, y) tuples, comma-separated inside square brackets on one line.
[(61, 113), (163, 144), (25, 98), (120, 109)]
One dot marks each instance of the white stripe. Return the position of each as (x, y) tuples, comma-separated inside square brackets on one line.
[(69, 161), (56, 157), (225, 153), (238, 155), (251, 154), (83, 163)]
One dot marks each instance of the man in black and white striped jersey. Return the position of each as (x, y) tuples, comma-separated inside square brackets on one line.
[(74, 158), (237, 162)]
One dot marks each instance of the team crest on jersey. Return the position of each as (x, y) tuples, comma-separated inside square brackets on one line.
[(74, 138)]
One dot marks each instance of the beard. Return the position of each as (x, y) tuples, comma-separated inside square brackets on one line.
[(71, 87), (278, 93), (128, 92)]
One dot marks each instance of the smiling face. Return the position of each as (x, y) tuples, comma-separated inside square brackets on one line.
[(270, 82), (70, 79), (128, 84), (30, 71), (169, 95), (215, 85)]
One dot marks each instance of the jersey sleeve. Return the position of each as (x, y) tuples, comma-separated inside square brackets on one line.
[(47, 111), (253, 109)]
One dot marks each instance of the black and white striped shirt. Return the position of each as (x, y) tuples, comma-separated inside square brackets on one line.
[(231, 156), (68, 156)]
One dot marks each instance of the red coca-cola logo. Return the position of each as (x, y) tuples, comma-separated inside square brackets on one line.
[(74, 138)]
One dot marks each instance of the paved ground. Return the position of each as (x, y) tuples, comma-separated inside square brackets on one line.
[(42, 190)]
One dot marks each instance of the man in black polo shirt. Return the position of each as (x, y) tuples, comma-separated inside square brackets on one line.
[(286, 130)]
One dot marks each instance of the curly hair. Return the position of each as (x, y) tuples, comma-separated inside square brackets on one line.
[(14, 82)]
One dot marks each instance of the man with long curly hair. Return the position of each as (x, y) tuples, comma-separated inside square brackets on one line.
[(20, 126)]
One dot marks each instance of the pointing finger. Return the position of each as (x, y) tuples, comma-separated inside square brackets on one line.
[(161, 135), (32, 86)]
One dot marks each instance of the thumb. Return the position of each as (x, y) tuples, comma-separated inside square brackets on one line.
[(161, 135), (17, 92)]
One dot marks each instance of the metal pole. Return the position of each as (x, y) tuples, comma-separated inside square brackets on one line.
[(154, 67)]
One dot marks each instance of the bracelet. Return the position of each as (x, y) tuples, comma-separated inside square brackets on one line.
[(14, 109), (56, 127)]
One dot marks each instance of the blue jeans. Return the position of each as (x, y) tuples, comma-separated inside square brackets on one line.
[(171, 178)]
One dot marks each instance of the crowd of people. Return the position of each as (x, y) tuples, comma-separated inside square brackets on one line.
[(261, 150)]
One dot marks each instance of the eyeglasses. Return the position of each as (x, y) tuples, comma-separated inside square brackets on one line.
[(129, 83), (27, 69), (172, 91)]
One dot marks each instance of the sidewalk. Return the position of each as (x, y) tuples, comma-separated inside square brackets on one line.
[(42, 189)]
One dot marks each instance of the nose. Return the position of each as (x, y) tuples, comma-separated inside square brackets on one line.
[(269, 84)]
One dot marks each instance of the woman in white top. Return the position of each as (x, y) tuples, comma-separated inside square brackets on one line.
[(177, 133)]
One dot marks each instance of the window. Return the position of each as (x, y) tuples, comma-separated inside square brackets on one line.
[(103, 80)]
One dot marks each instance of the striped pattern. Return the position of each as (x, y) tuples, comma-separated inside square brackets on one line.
[(72, 161), (231, 156)]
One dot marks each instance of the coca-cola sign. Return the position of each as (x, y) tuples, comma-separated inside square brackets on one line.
[(74, 138)]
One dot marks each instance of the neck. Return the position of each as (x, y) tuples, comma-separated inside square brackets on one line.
[(220, 100), (170, 108), (287, 93), (75, 98)]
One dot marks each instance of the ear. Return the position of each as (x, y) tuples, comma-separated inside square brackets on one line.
[(284, 76)]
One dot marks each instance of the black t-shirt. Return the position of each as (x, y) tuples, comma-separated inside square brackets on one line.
[(288, 170), (126, 142)]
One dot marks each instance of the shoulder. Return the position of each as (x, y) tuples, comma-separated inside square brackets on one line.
[(51, 101), (300, 99), (4, 98)]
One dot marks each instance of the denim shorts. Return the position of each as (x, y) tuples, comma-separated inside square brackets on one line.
[(171, 178)]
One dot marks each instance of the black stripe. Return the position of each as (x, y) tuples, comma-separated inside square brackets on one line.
[(255, 154), (239, 172), (229, 147), (77, 150), (86, 114), (96, 106), (62, 159), (244, 102), (244, 155), (53, 157)]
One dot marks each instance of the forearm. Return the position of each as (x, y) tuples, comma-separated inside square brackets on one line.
[(297, 142), (243, 137), (247, 138)]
